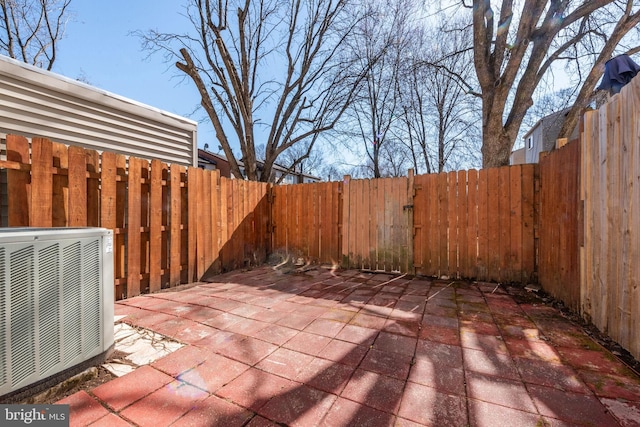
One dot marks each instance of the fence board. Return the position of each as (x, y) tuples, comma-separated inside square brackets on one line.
[(443, 222), (472, 223), (452, 218), (77, 187), (624, 307), (528, 223), (60, 184), (201, 214), (493, 224), (504, 218), (432, 227), (192, 219), (613, 215), (133, 227), (41, 182), (381, 226), (155, 228), (18, 182), (482, 262), (175, 238), (92, 160), (463, 221), (633, 94)]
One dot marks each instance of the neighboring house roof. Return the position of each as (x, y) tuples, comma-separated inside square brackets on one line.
[(550, 126), (219, 161)]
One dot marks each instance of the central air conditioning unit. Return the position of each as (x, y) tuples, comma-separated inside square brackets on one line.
[(56, 305)]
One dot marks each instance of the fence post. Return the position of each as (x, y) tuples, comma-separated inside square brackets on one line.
[(410, 269), (345, 221)]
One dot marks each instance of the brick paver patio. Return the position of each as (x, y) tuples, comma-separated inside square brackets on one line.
[(346, 348)]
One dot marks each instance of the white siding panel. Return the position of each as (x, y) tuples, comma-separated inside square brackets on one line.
[(35, 102)]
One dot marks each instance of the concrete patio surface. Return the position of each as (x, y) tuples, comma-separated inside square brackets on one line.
[(349, 348)]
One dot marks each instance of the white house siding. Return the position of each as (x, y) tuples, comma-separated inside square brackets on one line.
[(34, 102)]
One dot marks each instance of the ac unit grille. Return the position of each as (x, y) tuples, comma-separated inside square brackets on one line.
[(3, 320), (56, 303), (92, 297), (22, 314), (72, 300), (49, 304)]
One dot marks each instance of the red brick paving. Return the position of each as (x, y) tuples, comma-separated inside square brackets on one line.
[(348, 348)]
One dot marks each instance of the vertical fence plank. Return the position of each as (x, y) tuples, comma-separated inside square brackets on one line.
[(206, 220), (77, 187), (108, 173), (345, 220), (381, 225), (419, 210), (515, 225), (504, 229), (432, 266), (224, 220), (493, 224), (133, 227), (472, 224), (198, 221), (633, 302), (601, 296), (613, 208), (18, 182), (192, 218), (625, 183), (176, 220), (41, 182), (482, 261), (92, 159), (60, 183), (452, 218), (528, 223), (145, 180), (121, 209), (155, 227), (463, 221), (276, 222), (443, 222), (215, 219)]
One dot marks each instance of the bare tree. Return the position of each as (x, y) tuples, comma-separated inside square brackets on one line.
[(380, 43), (267, 71), (515, 47), (440, 115), (31, 29)]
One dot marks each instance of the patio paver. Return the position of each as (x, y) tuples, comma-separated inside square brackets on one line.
[(350, 348)]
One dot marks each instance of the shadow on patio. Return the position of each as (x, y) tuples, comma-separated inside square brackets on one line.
[(347, 348)]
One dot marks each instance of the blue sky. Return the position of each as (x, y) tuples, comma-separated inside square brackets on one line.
[(98, 48)]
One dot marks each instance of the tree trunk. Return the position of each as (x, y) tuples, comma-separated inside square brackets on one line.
[(496, 144)]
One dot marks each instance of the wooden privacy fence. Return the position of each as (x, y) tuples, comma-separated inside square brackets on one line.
[(561, 225), (610, 191), (476, 224), (171, 224), (306, 221)]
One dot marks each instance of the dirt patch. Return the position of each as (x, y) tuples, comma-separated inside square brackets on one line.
[(540, 296), (87, 380)]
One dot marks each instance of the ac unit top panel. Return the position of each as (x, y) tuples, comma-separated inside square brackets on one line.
[(25, 234)]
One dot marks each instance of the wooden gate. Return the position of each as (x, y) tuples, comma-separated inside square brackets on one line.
[(377, 224)]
